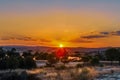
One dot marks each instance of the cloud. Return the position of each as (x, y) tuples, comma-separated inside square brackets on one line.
[(105, 33), (45, 40), (101, 35), (23, 38), (17, 37), (94, 36), (6, 38), (116, 33), (113, 33), (79, 40)]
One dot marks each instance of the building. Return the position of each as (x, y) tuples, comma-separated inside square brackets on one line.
[(41, 63)]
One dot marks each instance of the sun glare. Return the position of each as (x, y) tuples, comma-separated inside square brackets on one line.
[(61, 45)]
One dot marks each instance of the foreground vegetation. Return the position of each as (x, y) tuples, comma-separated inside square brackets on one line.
[(12, 59)]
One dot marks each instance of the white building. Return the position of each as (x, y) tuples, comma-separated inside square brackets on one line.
[(41, 63)]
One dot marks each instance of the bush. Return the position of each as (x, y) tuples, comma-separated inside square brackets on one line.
[(101, 65), (33, 77), (94, 61), (10, 76), (78, 66), (62, 67), (86, 74), (29, 63)]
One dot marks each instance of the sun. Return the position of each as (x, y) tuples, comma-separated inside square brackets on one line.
[(61, 45)]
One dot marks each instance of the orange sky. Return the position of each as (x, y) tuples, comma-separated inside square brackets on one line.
[(52, 26)]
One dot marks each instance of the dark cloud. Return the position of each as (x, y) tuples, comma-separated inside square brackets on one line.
[(17, 37), (94, 36), (105, 33), (101, 35), (45, 40), (78, 40), (116, 33), (25, 38), (7, 38)]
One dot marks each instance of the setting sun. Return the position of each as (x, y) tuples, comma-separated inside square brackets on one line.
[(61, 45)]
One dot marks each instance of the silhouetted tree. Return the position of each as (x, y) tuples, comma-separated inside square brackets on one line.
[(51, 58), (2, 53), (94, 61), (100, 56), (13, 52), (86, 59), (43, 56), (40, 56), (12, 62), (27, 53), (36, 55), (77, 54), (112, 54), (29, 62), (21, 62), (3, 64), (118, 55), (11, 59), (65, 58)]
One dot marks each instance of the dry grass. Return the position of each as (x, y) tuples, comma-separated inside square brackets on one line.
[(85, 74)]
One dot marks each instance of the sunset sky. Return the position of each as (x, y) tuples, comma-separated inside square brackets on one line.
[(73, 23)]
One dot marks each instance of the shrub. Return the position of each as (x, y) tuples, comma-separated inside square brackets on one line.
[(101, 65), (78, 66), (86, 74), (94, 61), (62, 67)]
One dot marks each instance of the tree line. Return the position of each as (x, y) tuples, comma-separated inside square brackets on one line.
[(110, 54), (11, 59)]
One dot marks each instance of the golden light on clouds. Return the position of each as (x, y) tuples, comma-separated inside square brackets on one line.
[(54, 27)]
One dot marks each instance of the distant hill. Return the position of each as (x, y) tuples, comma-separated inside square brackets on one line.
[(52, 49)]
